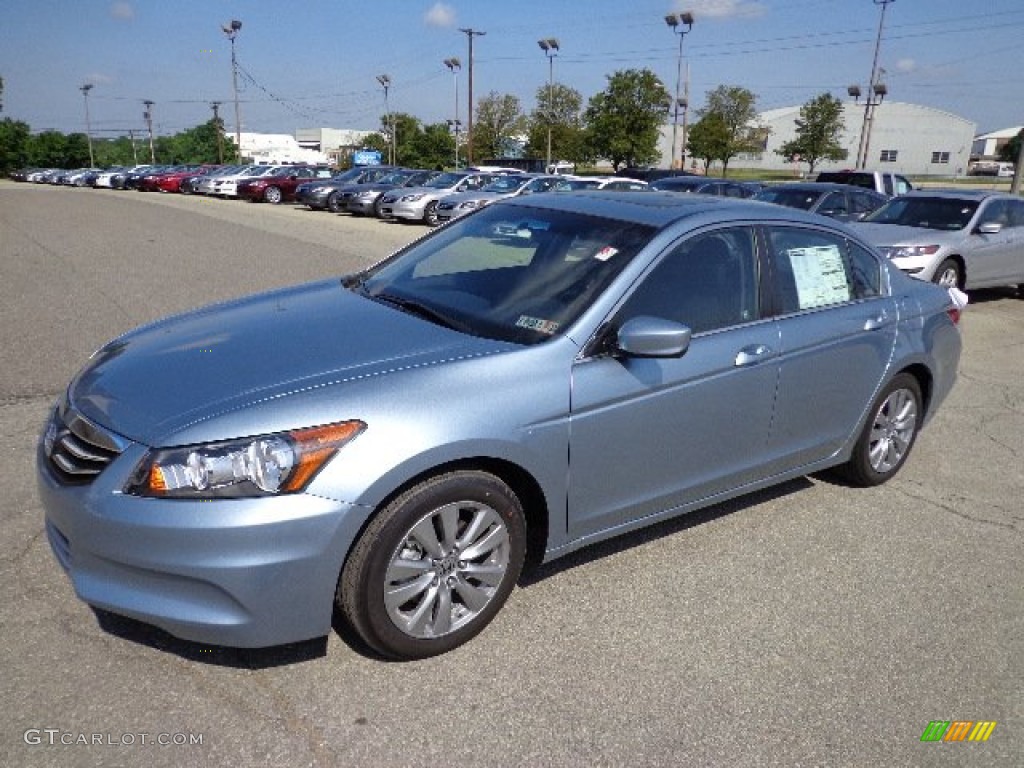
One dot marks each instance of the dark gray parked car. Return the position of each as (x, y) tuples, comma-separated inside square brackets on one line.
[(837, 201), (548, 372)]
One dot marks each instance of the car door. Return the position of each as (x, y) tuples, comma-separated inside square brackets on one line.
[(837, 333), (652, 434), (993, 258)]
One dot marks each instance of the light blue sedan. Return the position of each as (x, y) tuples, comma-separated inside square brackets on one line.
[(548, 372)]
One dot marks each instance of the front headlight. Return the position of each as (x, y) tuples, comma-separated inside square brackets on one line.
[(909, 251), (411, 198), (472, 204), (252, 466)]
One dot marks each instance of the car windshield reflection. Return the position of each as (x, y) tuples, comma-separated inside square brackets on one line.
[(511, 273)]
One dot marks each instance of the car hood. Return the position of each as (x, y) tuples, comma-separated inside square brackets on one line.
[(158, 380), (895, 234)]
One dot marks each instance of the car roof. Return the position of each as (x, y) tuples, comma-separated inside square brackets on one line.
[(660, 208), (818, 186), (962, 194)]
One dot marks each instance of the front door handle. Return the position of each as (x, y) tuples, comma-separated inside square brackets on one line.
[(755, 353), (878, 321)]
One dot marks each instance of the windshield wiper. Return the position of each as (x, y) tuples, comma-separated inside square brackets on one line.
[(414, 307)]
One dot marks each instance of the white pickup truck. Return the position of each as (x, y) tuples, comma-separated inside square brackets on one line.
[(890, 184)]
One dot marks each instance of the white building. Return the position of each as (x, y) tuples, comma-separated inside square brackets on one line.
[(905, 138), (277, 149), (987, 146), (336, 143)]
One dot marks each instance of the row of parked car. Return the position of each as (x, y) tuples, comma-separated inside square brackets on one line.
[(958, 238)]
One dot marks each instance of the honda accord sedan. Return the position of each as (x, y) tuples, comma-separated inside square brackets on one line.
[(548, 372)]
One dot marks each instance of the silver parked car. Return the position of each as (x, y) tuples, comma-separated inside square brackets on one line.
[(551, 371), (958, 238), (460, 203), (420, 203)]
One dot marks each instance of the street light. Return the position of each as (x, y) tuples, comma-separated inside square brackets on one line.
[(148, 117), (876, 93), (231, 30), (550, 47), (455, 65), (88, 128), (470, 33), (385, 82), (680, 24)]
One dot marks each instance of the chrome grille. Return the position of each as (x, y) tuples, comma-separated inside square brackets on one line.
[(78, 450)]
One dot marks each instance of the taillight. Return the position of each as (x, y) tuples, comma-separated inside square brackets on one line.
[(954, 314)]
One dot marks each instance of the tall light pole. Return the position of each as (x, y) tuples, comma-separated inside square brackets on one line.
[(550, 47), (455, 65), (148, 116), (88, 128), (876, 92), (470, 33), (231, 30), (680, 23), (385, 83)]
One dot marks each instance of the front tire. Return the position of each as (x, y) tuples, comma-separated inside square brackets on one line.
[(334, 203), (948, 274), (434, 567), (272, 195), (430, 214), (893, 423)]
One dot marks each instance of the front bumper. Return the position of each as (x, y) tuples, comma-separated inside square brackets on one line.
[(235, 572), (412, 211)]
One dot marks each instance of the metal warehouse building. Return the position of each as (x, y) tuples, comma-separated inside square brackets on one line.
[(905, 138)]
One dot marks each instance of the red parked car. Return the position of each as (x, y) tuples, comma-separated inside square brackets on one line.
[(149, 182), (279, 185), (171, 182)]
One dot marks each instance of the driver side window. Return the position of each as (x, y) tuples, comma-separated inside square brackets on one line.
[(706, 282)]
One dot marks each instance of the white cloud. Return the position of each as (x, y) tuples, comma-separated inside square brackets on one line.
[(122, 10), (440, 15), (722, 9), (906, 65)]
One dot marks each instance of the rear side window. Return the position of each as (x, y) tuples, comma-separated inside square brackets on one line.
[(812, 269)]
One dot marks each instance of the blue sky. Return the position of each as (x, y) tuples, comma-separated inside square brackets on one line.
[(313, 63)]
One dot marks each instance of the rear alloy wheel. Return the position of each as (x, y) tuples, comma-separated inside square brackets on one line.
[(948, 274), (888, 435), (272, 195), (430, 214), (434, 566)]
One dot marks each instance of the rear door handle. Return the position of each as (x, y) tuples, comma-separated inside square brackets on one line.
[(881, 320), (755, 353)]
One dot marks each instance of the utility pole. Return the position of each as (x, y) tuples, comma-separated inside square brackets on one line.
[(875, 89), (470, 33), (231, 30), (454, 65), (135, 154), (385, 83), (550, 47), (680, 24), (88, 128), (215, 106), (148, 115)]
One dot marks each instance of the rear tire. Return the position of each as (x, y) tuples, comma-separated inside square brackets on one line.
[(434, 566), (891, 429)]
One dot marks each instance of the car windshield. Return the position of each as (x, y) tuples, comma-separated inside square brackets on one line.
[(571, 184), (791, 198), (445, 180), (943, 213), (513, 273), (506, 184)]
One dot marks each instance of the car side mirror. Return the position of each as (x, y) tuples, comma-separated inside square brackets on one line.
[(646, 336), (990, 228)]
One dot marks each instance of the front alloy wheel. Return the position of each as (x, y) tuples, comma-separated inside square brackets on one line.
[(948, 274), (272, 195), (430, 214), (434, 566)]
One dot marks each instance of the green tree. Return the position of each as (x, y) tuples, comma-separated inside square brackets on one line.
[(14, 145), (708, 139), (200, 144), (736, 107), (624, 120), (499, 120), (818, 131), (433, 147), (559, 107)]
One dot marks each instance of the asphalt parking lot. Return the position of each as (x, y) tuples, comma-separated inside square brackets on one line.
[(812, 625)]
